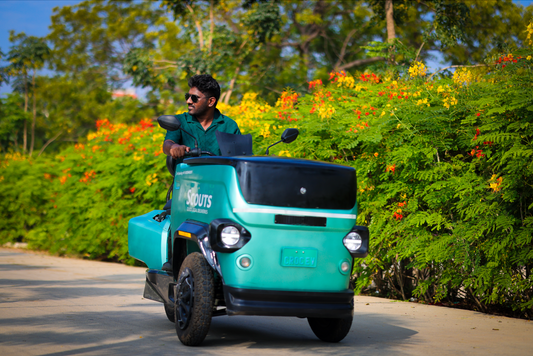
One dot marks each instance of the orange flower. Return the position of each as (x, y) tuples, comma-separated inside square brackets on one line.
[(314, 83), (398, 216), (146, 123)]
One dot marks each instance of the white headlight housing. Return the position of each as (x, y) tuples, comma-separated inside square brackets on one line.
[(352, 241), (230, 235)]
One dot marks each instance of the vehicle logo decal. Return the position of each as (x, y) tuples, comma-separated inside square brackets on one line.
[(198, 203)]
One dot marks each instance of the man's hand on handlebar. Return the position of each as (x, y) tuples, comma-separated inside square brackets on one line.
[(178, 151)]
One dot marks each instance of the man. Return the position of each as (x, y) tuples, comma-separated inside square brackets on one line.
[(202, 120)]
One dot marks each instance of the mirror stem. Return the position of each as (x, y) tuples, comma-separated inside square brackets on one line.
[(271, 146), (195, 141)]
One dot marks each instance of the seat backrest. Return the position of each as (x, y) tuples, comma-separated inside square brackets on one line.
[(234, 145)]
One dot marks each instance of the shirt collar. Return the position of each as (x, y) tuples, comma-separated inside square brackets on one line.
[(218, 118)]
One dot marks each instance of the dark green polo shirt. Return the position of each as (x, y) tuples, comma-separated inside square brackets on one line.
[(207, 140)]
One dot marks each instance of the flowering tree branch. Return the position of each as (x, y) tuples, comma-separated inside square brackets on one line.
[(456, 66)]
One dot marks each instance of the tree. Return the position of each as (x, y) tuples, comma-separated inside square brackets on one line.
[(95, 36), (27, 53), (4, 77), (265, 46), (215, 37), (11, 117), (462, 31), (89, 41)]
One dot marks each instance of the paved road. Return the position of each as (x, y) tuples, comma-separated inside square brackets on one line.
[(60, 306)]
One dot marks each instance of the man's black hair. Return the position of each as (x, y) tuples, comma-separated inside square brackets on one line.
[(206, 84)]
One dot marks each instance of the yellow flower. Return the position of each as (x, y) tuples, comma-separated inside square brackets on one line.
[(151, 179), (529, 30), (422, 102), (157, 137), (495, 183), (326, 111), (417, 69), (462, 76)]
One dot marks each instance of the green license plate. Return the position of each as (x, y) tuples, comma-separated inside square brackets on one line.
[(299, 257)]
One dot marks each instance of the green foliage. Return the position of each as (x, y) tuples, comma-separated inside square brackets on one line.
[(444, 177), (27, 52), (444, 167), (80, 201), (12, 116), (95, 35)]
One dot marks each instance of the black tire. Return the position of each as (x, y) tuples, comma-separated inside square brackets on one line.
[(330, 330), (194, 295), (169, 311)]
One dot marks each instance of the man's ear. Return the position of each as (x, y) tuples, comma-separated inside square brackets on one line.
[(211, 101)]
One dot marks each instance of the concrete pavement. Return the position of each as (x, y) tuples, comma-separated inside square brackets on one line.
[(63, 306)]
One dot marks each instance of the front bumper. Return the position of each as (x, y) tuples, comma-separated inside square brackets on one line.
[(284, 303)]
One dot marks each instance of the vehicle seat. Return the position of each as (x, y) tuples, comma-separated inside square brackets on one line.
[(234, 145), (168, 205)]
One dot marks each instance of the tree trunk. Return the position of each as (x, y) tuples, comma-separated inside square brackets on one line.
[(16, 141), (49, 142), (212, 19), (232, 84), (198, 28), (391, 32), (34, 104), (25, 132)]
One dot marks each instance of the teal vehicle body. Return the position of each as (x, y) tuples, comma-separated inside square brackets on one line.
[(278, 237)]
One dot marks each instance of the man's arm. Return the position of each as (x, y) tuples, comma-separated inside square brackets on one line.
[(171, 148)]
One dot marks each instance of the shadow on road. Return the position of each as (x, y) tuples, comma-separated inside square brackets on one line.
[(144, 333), (68, 311)]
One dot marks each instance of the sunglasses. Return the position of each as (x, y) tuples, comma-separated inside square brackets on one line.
[(193, 97)]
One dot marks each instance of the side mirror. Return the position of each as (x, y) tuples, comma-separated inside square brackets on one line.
[(289, 135), (169, 122)]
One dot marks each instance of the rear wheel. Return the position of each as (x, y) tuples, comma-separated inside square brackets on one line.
[(169, 311), (194, 295), (330, 330)]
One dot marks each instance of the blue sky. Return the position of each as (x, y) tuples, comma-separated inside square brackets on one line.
[(33, 18)]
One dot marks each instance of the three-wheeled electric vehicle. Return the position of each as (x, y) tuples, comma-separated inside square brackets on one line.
[(252, 235)]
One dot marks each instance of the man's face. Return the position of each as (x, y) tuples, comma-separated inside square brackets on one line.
[(201, 106)]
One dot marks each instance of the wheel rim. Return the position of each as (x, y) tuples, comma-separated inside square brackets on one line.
[(185, 298)]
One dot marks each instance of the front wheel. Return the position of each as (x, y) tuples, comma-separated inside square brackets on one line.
[(194, 295), (330, 330), (169, 311)]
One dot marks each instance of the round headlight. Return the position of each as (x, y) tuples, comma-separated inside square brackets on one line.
[(230, 235), (352, 241)]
